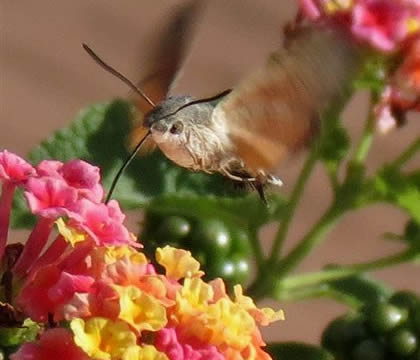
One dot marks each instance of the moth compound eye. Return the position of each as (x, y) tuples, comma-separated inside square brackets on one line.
[(176, 128)]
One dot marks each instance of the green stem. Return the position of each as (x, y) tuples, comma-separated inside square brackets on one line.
[(311, 239), (365, 143), (256, 246), (293, 202), (312, 279), (315, 292), (407, 154)]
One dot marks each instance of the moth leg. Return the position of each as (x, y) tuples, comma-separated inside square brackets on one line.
[(259, 188), (227, 173)]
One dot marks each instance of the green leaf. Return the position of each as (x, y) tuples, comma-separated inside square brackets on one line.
[(12, 336), (399, 189), (297, 351), (373, 74), (335, 143), (98, 135), (362, 288)]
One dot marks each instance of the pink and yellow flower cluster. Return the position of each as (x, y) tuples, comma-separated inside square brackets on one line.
[(391, 27), (384, 24), (111, 298)]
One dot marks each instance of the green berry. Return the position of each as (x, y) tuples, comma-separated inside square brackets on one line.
[(343, 333), (406, 299), (240, 241), (369, 350), (415, 319), (173, 228), (234, 270), (403, 342), (383, 317), (212, 236)]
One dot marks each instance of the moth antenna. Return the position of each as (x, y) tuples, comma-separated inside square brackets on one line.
[(117, 74), (200, 101), (124, 166)]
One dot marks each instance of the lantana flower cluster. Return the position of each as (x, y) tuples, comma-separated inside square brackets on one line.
[(97, 295), (391, 27)]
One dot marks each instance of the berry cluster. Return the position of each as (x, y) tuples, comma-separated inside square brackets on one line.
[(386, 330)]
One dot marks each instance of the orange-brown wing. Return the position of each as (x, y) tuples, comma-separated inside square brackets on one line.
[(275, 111), (164, 63)]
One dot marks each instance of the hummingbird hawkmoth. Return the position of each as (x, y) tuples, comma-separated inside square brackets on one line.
[(243, 133)]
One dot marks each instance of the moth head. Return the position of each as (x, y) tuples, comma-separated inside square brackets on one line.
[(176, 125)]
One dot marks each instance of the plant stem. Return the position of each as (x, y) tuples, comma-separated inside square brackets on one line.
[(407, 154), (362, 149), (365, 143), (293, 202), (311, 239), (314, 292), (311, 279), (256, 247)]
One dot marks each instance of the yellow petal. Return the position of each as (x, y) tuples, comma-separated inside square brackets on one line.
[(140, 310), (68, 233), (178, 263), (147, 352), (263, 316), (102, 338), (115, 253)]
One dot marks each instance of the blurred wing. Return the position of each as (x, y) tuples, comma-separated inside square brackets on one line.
[(275, 111), (164, 64)]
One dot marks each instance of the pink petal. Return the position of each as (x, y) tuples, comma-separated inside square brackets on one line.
[(13, 168), (54, 251), (102, 223), (115, 212), (49, 197), (310, 9), (49, 168), (6, 201), (167, 341), (84, 177), (69, 284), (34, 245), (54, 344), (383, 23)]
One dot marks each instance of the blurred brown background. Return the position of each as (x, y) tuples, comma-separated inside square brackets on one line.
[(46, 79)]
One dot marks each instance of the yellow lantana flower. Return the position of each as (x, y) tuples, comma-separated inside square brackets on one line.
[(102, 338), (115, 253), (140, 310), (263, 316)]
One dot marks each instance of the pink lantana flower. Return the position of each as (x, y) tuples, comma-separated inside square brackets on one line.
[(13, 171), (49, 198), (102, 222), (79, 174), (53, 344), (50, 289), (383, 23)]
